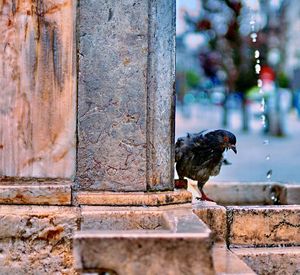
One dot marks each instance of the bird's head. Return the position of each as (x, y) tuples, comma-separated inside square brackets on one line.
[(227, 140)]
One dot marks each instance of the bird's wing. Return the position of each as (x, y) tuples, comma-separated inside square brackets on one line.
[(181, 147), (186, 145)]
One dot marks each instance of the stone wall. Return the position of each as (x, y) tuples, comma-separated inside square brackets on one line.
[(37, 239)]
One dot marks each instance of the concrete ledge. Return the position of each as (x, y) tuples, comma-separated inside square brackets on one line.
[(292, 194), (214, 216), (252, 193), (48, 192), (263, 225), (226, 262), (134, 198), (183, 247), (246, 193), (269, 261)]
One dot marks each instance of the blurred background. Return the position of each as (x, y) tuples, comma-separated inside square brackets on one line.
[(222, 48)]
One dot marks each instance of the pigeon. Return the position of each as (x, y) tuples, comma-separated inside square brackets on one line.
[(199, 156)]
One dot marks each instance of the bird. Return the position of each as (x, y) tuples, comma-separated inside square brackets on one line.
[(200, 155)]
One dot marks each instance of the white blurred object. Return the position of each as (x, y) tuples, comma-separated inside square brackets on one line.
[(194, 40)]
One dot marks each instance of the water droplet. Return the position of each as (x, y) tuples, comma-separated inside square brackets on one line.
[(268, 157), (269, 174), (266, 142), (257, 61), (273, 198), (256, 54), (262, 104), (252, 22), (259, 83), (263, 120), (257, 68), (253, 36)]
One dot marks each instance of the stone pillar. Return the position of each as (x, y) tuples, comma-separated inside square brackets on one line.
[(37, 101), (126, 54)]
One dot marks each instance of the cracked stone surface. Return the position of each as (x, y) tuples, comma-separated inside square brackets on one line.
[(215, 218), (37, 239), (125, 95), (270, 261), (264, 225)]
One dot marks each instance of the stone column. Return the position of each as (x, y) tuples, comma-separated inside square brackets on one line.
[(37, 101), (126, 54)]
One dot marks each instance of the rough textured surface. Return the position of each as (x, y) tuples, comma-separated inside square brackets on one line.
[(260, 226), (245, 193), (134, 198), (29, 191), (125, 95), (226, 262), (185, 250), (37, 239), (37, 86), (137, 254), (271, 261), (292, 194), (215, 218), (161, 95), (116, 219)]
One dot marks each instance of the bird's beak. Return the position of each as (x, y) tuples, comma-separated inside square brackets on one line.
[(233, 148)]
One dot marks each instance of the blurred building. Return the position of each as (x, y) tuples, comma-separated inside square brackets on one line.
[(292, 42)]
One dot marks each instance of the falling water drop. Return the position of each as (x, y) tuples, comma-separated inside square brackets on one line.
[(262, 105), (253, 37), (257, 68), (268, 157), (257, 61), (269, 174), (256, 54), (259, 83), (266, 142), (263, 120)]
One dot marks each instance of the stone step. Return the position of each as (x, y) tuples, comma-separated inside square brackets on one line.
[(271, 260), (263, 225), (141, 241), (226, 262), (214, 216), (37, 239), (252, 193)]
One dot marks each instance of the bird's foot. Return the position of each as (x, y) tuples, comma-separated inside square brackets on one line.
[(204, 198), (181, 184)]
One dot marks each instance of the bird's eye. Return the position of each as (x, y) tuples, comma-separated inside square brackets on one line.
[(226, 139)]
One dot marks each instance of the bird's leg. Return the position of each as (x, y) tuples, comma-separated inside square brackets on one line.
[(204, 197), (181, 183)]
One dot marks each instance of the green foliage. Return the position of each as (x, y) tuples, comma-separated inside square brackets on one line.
[(192, 79), (283, 80)]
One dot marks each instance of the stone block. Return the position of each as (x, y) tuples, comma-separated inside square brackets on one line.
[(129, 219), (134, 198), (245, 193), (292, 194), (126, 95), (38, 88), (184, 247), (226, 262), (35, 192), (271, 260), (214, 216), (264, 225), (37, 239)]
